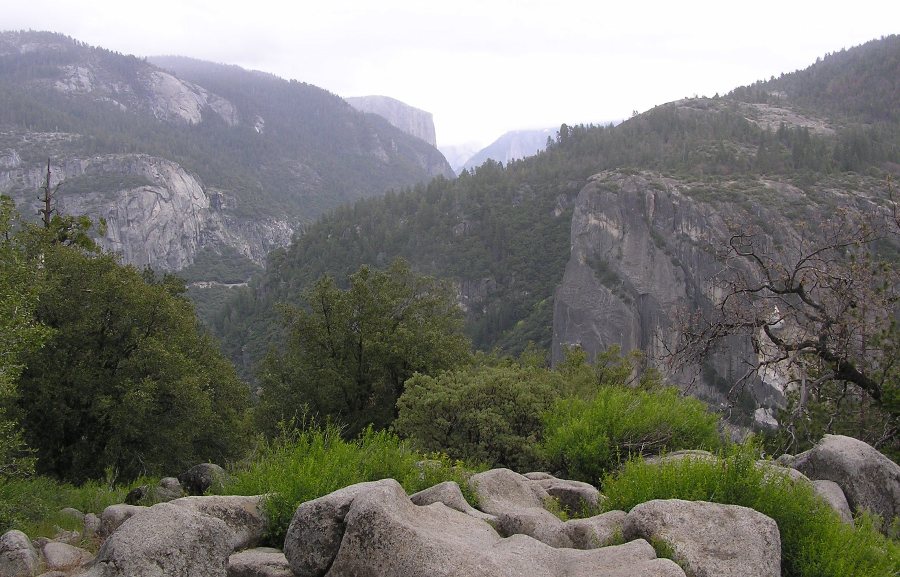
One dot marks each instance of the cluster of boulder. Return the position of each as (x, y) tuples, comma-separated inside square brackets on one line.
[(376, 530)]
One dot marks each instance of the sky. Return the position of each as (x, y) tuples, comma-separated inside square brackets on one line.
[(483, 67)]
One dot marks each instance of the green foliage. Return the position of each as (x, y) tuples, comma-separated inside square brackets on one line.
[(32, 505), (483, 413), (351, 351), (126, 380), (20, 334), (585, 438), (814, 541), (298, 466)]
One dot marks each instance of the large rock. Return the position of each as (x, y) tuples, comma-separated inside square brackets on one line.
[(244, 515), (260, 562), (832, 493), (62, 557), (165, 540), (374, 530), (114, 515), (18, 558), (519, 502), (200, 478), (710, 539), (168, 489), (869, 480)]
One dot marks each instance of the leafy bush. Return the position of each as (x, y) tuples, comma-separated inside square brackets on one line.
[(298, 466), (488, 414), (32, 504), (583, 439), (814, 541)]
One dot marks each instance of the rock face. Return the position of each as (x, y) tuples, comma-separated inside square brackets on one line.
[(709, 539), (162, 217), (409, 119), (869, 480), (642, 246), (374, 530)]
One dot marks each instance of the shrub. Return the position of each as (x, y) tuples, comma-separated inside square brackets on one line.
[(814, 541), (298, 466), (487, 414), (32, 504), (583, 439)]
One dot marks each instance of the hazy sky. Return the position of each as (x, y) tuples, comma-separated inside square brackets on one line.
[(483, 67)]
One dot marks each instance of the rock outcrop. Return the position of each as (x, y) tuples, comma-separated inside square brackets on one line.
[(374, 530), (156, 213), (870, 481), (409, 119), (710, 539)]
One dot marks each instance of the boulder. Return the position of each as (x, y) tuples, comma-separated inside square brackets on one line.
[(869, 480), (519, 506), (834, 496), (137, 495), (697, 454), (165, 540), (244, 515), (91, 526), (168, 489), (773, 468), (375, 530), (63, 557), (72, 513), (114, 515), (710, 539), (200, 478), (18, 557), (450, 495), (260, 562)]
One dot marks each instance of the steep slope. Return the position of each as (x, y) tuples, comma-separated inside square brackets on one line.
[(595, 240), (409, 119), (248, 157)]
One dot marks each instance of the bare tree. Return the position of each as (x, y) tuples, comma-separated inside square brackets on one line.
[(821, 309)]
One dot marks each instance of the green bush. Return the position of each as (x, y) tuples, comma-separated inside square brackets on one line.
[(486, 414), (583, 439), (814, 541), (32, 504), (298, 466)]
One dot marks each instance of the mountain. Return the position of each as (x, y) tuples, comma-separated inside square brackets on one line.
[(512, 146), (599, 238), (184, 159), (458, 154), (409, 119)]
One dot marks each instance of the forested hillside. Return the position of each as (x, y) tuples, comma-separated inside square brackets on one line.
[(255, 155), (502, 233)]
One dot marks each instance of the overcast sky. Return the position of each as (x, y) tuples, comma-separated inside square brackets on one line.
[(483, 67)]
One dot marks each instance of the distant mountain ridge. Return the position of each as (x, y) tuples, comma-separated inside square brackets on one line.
[(186, 158), (409, 119), (512, 145)]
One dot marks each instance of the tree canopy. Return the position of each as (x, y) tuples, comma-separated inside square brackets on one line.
[(125, 380), (351, 350)]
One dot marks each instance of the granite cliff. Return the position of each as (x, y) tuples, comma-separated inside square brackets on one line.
[(409, 119)]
